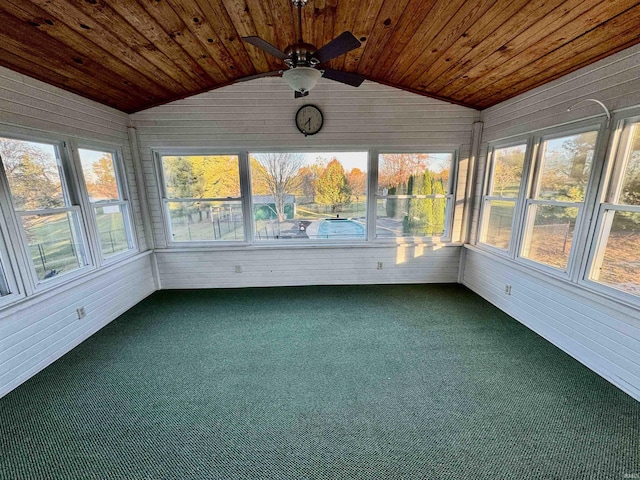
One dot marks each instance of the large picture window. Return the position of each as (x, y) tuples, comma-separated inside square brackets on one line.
[(317, 196), (414, 194), (108, 200), (202, 198), (50, 222), (562, 170), (499, 204), (617, 259)]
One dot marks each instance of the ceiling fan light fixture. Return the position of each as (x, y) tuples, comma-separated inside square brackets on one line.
[(302, 79)]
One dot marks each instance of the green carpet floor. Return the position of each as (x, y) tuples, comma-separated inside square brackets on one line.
[(375, 382)]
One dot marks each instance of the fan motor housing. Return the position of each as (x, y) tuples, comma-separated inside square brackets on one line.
[(300, 55)]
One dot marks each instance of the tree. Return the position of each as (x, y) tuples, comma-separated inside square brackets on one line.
[(308, 180), (332, 187), (425, 216), (396, 168), (33, 175), (101, 181), (357, 181), (507, 170), (279, 173), (567, 167), (198, 177)]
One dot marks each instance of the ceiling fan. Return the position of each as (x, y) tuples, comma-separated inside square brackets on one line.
[(302, 59)]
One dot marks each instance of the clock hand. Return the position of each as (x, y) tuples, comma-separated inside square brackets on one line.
[(308, 122)]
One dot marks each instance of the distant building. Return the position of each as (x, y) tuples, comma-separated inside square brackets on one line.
[(264, 207)]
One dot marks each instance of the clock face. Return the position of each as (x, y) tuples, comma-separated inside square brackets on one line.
[(309, 119)]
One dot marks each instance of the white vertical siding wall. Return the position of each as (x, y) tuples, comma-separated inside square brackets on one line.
[(602, 334), (37, 330), (258, 115)]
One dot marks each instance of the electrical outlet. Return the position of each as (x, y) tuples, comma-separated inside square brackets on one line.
[(238, 269), (507, 289), (379, 265), (81, 313)]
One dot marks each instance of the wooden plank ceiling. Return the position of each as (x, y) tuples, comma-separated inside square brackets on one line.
[(134, 54)]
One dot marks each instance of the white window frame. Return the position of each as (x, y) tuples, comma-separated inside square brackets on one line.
[(534, 173), (123, 192), (449, 197), (606, 207), (518, 200), (245, 202), (8, 267), (309, 242), (72, 195)]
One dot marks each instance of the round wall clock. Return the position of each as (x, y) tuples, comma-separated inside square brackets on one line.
[(309, 119)]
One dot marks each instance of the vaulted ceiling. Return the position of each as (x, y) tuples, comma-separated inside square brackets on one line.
[(134, 54)]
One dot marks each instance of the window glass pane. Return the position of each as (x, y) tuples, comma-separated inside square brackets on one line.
[(620, 266), (413, 173), (552, 234), (112, 228), (498, 219), (33, 173), (54, 243), (411, 217), (206, 221), (99, 175), (318, 196), (566, 165), (507, 171), (202, 176)]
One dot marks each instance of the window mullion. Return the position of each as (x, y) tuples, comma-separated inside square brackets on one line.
[(246, 197)]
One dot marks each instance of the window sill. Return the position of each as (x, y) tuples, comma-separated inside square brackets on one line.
[(284, 245)]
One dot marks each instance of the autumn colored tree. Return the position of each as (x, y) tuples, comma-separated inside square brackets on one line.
[(279, 173), (396, 168), (332, 187), (507, 170), (357, 181), (101, 180), (199, 177)]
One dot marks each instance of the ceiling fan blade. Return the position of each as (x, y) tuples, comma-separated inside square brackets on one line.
[(274, 73), (297, 94), (266, 46), (340, 45), (353, 79)]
